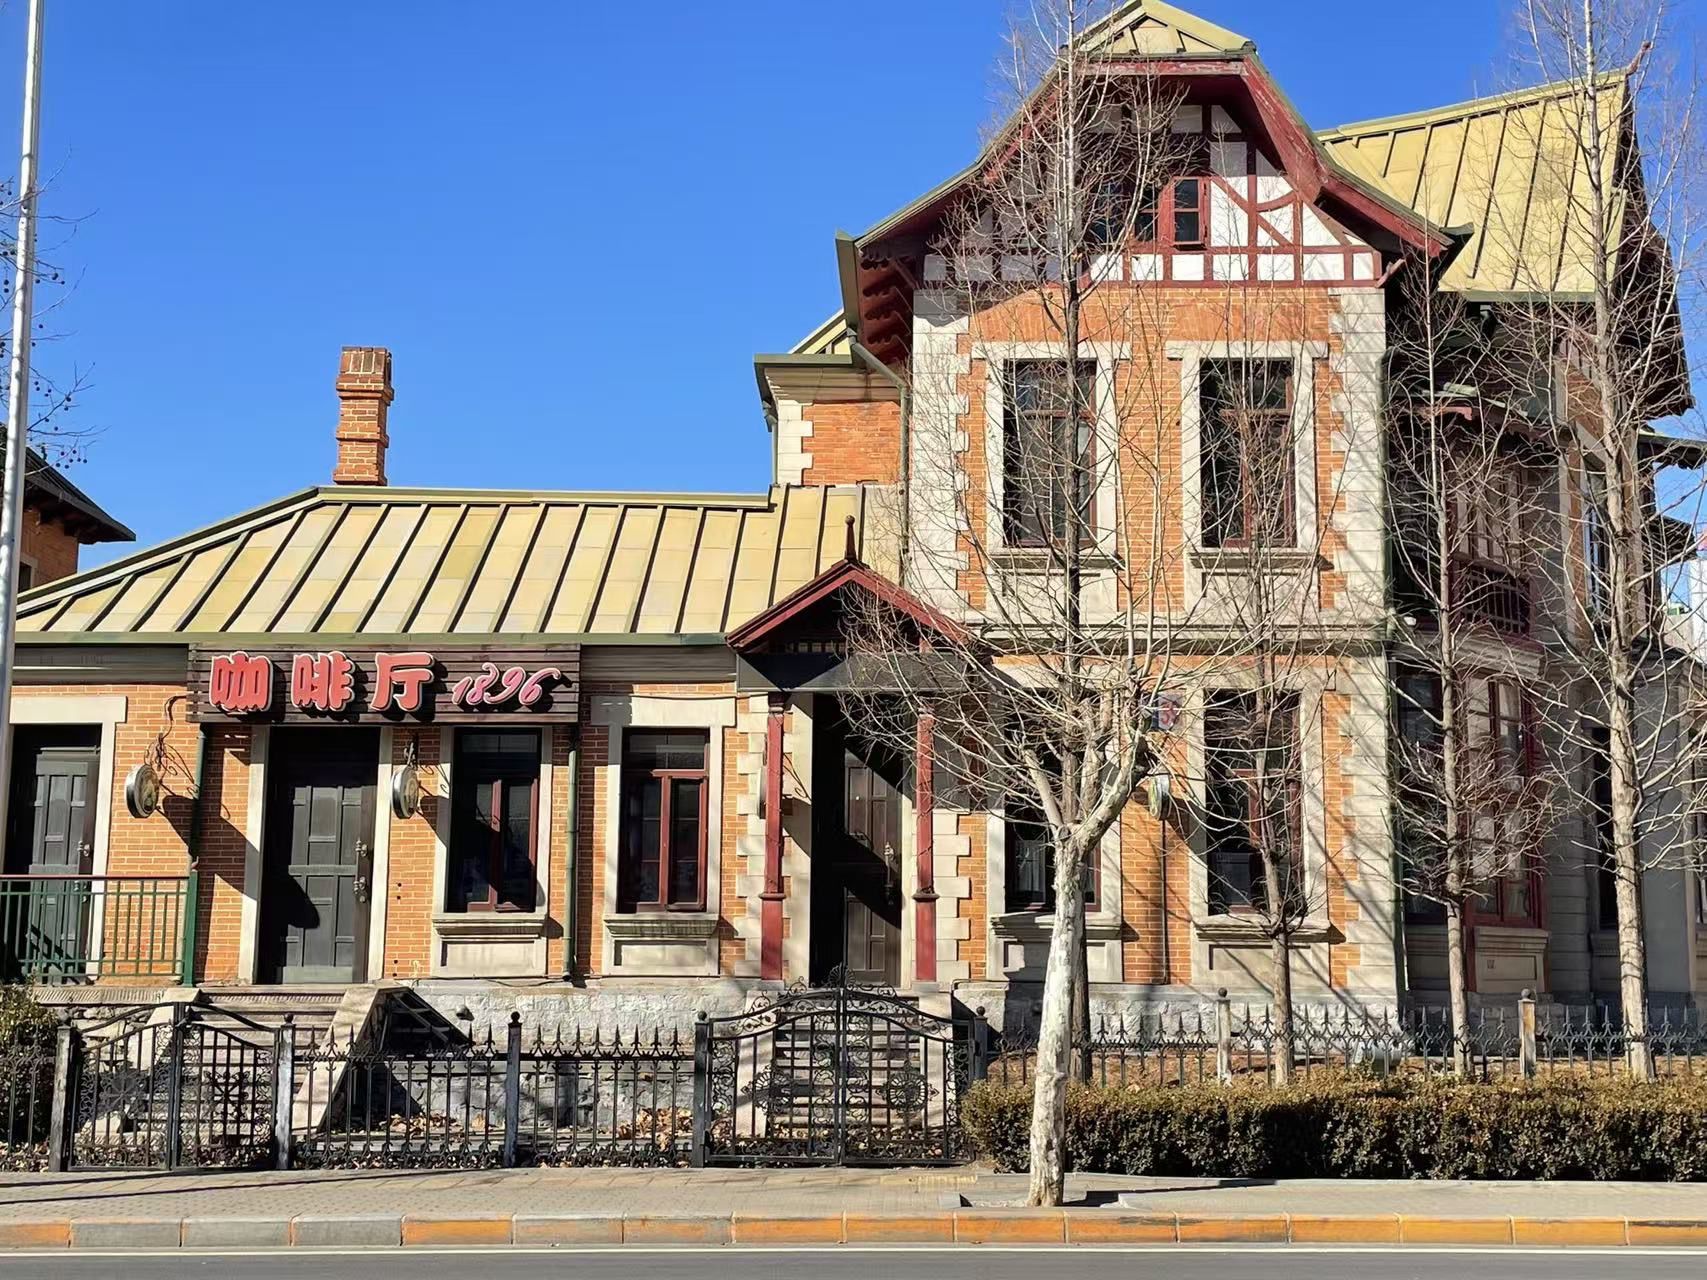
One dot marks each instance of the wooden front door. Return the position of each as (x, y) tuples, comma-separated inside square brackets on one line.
[(868, 867), (318, 855), (53, 836)]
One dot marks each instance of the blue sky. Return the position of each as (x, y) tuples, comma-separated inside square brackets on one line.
[(573, 223)]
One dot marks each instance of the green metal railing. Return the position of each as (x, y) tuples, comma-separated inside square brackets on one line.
[(56, 928)]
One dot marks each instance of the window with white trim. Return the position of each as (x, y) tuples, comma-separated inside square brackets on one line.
[(664, 820), (1248, 482), (1048, 442)]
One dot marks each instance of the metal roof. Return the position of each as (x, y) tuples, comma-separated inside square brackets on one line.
[(1513, 167), (1152, 28), (349, 563)]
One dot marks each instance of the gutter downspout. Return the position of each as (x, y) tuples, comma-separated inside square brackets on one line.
[(899, 383), (190, 933), (776, 443), (571, 864)]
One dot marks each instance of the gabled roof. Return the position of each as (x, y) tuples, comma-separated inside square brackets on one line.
[(1176, 43), (47, 489), (1511, 166), (1152, 28), (847, 574), (370, 563)]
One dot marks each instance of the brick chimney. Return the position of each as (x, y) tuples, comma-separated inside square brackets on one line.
[(364, 399)]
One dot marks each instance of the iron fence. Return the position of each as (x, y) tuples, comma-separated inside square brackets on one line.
[(515, 1097), (1243, 1044), (26, 1099), (810, 1077), (154, 1087)]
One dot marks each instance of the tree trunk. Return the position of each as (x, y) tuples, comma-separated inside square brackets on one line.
[(1049, 1105), (1627, 877), (1280, 959), (1082, 1007), (1456, 984)]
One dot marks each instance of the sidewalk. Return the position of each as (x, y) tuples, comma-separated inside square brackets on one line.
[(815, 1206)]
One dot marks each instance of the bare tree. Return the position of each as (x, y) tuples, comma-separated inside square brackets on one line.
[(1611, 326), (1469, 500), (1045, 703), (54, 436), (1121, 600)]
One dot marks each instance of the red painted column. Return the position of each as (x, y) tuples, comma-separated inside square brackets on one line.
[(924, 812), (770, 940)]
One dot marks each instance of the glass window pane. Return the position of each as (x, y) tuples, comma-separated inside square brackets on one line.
[(685, 796), (516, 850), (497, 742), (650, 749), (1029, 866), (642, 814), (472, 843)]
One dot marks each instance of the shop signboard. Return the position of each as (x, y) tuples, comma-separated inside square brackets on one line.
[(385, 686)]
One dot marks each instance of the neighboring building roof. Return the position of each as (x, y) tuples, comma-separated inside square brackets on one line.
[(1512, 166), (349, 563), (829, 338), (47, 489)]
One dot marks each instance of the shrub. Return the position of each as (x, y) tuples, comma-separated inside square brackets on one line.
[(1346, 1127), (27, 1034)]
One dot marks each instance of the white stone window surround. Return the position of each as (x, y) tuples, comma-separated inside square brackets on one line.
[(1303, 355), (996, 357), (499, 943), (105, 711), (1102, 923), (1309, 687), (690, 935)]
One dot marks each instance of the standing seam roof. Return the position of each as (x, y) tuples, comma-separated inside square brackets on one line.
[(357, 563), (1514, 167)]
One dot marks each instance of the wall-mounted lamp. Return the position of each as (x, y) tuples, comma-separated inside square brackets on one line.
[(406, 785)]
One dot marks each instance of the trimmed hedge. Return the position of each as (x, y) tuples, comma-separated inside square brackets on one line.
[(1356, 1128)]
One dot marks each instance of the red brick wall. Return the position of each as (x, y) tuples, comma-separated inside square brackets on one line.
[(49, 547), (411, 856), (224, 848), (853, 442)]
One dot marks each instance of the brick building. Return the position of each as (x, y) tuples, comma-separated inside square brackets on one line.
[(546, 743)]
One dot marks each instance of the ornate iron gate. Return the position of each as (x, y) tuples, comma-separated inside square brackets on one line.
[(157, 1089), (842, 1075)]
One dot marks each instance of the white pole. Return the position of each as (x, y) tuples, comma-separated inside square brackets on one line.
[(18, 389)]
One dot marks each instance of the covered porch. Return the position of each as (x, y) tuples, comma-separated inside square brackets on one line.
[(874, 901)]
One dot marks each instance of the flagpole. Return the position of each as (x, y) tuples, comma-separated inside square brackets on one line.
[(18, 390)]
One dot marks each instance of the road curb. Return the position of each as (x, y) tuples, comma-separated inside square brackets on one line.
[(970, 1227)]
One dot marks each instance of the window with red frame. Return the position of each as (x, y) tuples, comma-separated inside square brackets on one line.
[(1491, 516), (1031, 862), (1254, 798), (494, 821), (664, 821), (1121, 213), (1190, 212), (1245, 428), (1499, 723), (1047, 450)]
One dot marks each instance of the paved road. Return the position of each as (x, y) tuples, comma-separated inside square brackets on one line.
[(1291, 1263)]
